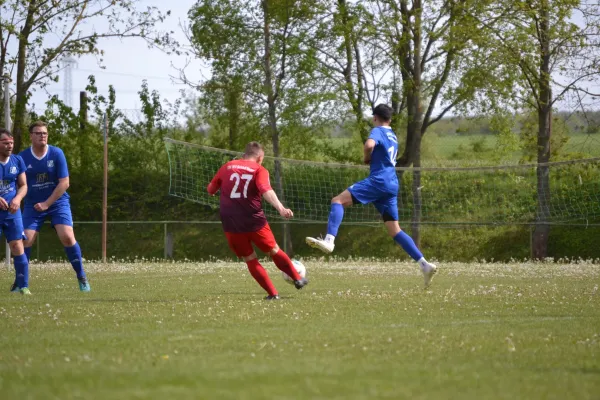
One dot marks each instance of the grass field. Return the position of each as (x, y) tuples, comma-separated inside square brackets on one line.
[(480, 149), (360, 330)]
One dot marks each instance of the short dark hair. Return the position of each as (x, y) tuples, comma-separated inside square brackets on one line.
[(37, 124), (253, 149), (4, 131), (384, 112)]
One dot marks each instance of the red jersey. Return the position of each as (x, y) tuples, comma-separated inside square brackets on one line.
[(242, 184)]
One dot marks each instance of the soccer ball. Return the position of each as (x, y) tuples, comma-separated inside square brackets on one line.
[(299, 267)]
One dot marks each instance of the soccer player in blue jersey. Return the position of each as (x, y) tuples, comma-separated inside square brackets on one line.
[(380, 188), (13, 187), (48, 181)]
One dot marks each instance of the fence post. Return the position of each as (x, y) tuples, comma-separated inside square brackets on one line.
[(530, 242), (166, 243)]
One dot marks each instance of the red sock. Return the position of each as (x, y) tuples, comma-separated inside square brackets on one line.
[(284, 263), (260, 275)]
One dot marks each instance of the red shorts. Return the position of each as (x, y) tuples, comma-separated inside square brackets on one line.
[(241, 243)]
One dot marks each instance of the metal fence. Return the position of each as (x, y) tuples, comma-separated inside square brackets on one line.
[(204, 240)]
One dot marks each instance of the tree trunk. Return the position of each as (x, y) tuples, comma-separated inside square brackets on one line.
[(542, 229), (22, 87), (411, 70), (233, 116), (416, 194), (352, 51), (19, 122), (272, 119)]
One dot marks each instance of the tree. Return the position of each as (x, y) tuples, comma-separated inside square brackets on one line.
[(553, 48), (437, 49), (263, 42), (44, 31), (339, 50)]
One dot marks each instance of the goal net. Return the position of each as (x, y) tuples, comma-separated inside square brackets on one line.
[(473, 195)]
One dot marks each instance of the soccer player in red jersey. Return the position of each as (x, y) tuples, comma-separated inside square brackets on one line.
[(242, 184)]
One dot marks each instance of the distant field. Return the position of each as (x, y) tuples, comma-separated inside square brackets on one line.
[(360, 330), (481, 147)]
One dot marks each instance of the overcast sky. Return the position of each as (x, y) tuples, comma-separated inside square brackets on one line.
[(128, 63)]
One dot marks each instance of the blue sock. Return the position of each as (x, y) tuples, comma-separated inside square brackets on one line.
[(17, 271), (22, 270), (74, 256), (408, 245), (28, 252), (335, 218)]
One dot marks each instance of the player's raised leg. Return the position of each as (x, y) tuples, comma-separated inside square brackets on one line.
[(265, 241), (408, 244), (283, 262), (73, 251), (336, 215)]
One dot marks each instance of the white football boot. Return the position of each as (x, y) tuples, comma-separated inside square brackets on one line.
[(321, 244), (429, 271)]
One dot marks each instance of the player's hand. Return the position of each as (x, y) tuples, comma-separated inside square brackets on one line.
[(14, 206), (41, 207), (3, 204), (286, 213)]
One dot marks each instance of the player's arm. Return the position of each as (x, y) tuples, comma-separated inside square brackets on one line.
[(59, 190), (271, 197), (62, 173), (215, 184), (368, 150), (21, 192), (264, 187)]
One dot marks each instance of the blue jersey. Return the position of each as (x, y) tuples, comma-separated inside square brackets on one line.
[(9, 173), (43, 174), (383, 158)]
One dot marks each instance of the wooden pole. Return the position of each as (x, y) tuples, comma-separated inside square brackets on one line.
[(105, 191)]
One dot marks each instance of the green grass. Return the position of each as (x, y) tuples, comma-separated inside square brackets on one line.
[(360, 330)]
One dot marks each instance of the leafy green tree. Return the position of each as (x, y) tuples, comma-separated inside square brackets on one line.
[(263, 42), (42, 32), (552, 51), (437, 50)]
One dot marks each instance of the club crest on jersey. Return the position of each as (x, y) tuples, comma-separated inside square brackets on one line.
[(13, 170), (50, 163)]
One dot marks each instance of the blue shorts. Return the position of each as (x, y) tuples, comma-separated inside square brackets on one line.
[(59, 214), (12, 229), (384, 198)]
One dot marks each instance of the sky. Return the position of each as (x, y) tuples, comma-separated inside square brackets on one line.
[(128, 62)]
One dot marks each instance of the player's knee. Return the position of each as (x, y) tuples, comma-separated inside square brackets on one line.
[(68, 240), (393, 228), (16, 247), (274, 250), (30, 239), (250, 257), (67, 237)]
